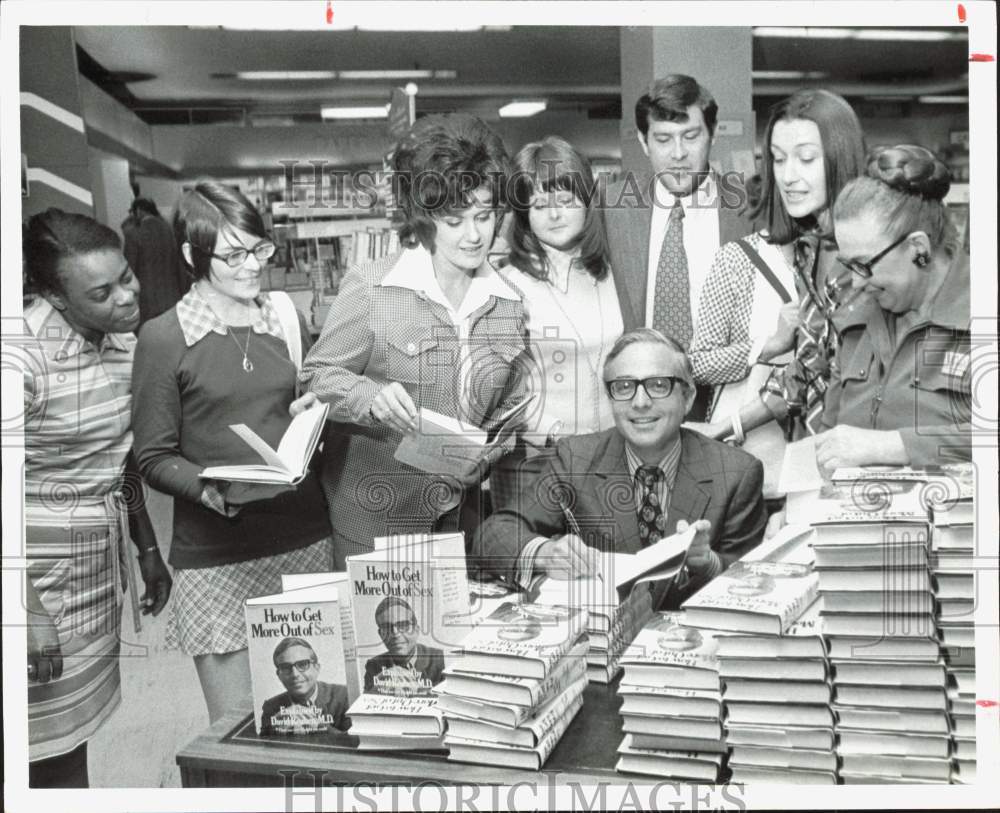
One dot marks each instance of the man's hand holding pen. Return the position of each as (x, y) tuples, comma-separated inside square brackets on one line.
[(566, 557)]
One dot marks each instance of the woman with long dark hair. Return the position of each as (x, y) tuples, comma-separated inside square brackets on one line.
[(559, 260), (813, 146)]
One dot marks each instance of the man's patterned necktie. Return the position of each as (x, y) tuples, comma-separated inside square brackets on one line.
[(652, 520), (672, 296)]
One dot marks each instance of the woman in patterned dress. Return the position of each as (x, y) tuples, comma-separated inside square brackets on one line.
[(220, 357), (81, 493)]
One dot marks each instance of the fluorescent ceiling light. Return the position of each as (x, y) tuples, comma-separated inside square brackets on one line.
[(895, 34), (789, 75), (270, 76), (379, 112), (943, 99), (516, 110), (411, 74)]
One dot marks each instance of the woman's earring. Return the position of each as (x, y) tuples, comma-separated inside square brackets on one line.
[(921, 259)]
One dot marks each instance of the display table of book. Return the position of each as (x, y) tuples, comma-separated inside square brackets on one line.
[(231, 754)]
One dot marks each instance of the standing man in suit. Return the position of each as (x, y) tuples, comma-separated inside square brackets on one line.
[(664, 228), (627, 487)]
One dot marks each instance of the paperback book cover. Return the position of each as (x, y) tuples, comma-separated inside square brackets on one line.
[(297, 666), (410, 603), (340, 582)]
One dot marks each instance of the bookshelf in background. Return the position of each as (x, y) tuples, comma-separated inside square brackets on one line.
[(316, 249)]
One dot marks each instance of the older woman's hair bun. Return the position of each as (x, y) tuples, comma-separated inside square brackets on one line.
[(910, 169)]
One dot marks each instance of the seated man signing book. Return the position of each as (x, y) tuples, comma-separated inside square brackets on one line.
[(627, 487), (408, 668), (308, 704)]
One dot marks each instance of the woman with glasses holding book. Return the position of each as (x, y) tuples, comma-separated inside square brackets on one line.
[(765, 312), (225, 354), (900, 392)]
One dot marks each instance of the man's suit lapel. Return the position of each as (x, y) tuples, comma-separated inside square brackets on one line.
[(614, 493), (692, 490)]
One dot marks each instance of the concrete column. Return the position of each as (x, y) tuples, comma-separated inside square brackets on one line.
[(719, 58), (53, 135)]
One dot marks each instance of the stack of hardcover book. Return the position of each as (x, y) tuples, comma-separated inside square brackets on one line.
[(612, 624), (671, 703), (777, 694), (872, 551), (772, 663), (514, 684), (952, 549)]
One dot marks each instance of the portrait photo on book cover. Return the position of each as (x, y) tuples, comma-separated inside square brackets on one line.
[(673, 637), (307, 705), (408, 668)]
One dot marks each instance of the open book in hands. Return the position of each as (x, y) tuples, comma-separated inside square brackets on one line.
[(445, 445), (618, 573), (285, 465)]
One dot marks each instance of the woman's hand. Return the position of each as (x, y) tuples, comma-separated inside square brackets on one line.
[(394, 408), (45, 660), (718, 430), (783, 338), (845, 446), (213, 497), (239, 494), (301, 404), (157, 579)]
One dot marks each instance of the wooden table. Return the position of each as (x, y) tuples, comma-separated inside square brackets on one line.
[(230, 754)]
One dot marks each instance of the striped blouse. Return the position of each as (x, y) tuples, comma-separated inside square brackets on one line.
[(77, 399)]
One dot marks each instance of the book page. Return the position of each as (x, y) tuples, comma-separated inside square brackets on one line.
[(300, 438), (256, 442), (798, 470)]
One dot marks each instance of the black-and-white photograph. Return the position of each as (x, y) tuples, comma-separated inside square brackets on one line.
[(569, 279)]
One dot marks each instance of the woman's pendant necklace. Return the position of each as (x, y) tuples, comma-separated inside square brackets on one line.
[(247, 364)]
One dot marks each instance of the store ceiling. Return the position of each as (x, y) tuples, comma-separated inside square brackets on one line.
[(186, 75)]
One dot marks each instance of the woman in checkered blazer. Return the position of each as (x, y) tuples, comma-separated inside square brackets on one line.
[(432, 327)]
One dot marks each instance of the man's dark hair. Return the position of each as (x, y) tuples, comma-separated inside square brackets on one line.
[(288, 643), (393, 601), (669, 98)]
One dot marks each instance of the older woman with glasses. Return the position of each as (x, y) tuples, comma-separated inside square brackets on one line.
[(226, 354), (900, 392)]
